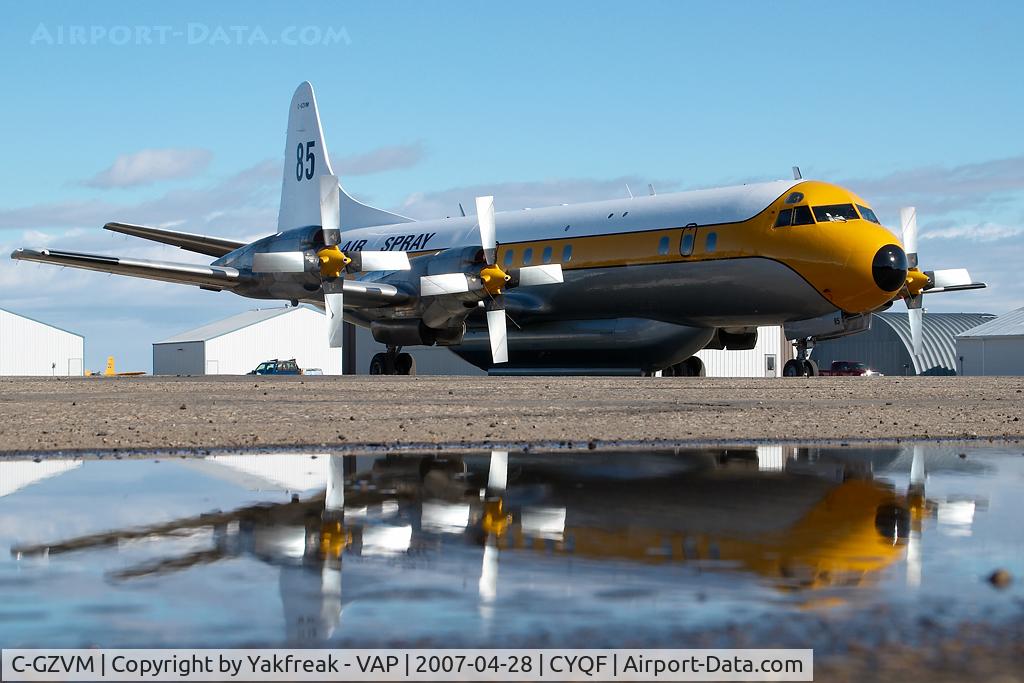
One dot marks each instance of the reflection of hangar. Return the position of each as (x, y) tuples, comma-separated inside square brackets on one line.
[(995, 347), (29, 347), (236, 345), (887, 347)]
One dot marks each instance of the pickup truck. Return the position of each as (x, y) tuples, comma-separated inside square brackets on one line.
[(277, 367), (848, 368)]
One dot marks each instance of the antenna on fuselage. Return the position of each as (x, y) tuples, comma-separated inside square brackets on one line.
[(629, 191), (797, 175), (650, 189), (461, 210)]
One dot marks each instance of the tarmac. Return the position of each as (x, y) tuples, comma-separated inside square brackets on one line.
[(170, 413)]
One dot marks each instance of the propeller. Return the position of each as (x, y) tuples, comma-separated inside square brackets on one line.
[(330, 261), (492, 282), (919, 282)]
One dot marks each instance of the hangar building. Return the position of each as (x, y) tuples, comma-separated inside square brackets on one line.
[(887, 347), (764, 360), (993, 348), (29, 347), (236, 345)]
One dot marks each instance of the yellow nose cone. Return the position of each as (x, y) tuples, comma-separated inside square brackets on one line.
[(332, 261)]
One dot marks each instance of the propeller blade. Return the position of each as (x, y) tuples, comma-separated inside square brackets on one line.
[(488, 232), (330, 209), (915, 316), (908, 224), (279, 262), (369, 261), (447, 283), (531, 276), (334, 302), (498, 335), (497, 473)]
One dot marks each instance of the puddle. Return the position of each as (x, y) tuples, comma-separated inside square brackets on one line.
[(771, 546)]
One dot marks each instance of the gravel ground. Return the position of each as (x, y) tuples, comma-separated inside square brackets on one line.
[(157, 412)]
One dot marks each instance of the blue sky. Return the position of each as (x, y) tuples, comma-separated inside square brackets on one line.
[(426, 103)]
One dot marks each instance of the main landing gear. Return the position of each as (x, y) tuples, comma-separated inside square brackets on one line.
[(392, 363), (691, 367), (801, 366)]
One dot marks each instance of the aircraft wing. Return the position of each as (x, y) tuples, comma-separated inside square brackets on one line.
[(200, 244), (207, 277)]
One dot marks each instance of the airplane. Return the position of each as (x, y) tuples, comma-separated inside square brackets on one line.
[(110, 371), (624, 286), (822, 521)]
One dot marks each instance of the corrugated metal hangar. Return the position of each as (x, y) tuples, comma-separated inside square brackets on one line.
[(29, 347), (993, 348), (887, 346), (236, 345)]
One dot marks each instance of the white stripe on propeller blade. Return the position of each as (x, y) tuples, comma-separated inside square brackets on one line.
[(498, 335), (279, 262), (530, 276), (368, 261), (448, 283), (335, 304), (330, 203), (488, 232)]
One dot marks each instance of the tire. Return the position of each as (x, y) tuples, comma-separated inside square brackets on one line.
[(811, 368), (405, 364), (378, 364), (670, 371), (695, 366), (793, 368)]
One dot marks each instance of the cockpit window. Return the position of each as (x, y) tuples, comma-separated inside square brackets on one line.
[(802, 215), (798, 215), (835, 213), (868, 214)]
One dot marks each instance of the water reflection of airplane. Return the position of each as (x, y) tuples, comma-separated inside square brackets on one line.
[(808, 522)]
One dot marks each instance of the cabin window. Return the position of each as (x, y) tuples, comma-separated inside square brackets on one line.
[(610, 215), (785, 218), (527, 256), (663, 246), (686, 246), (835, 213), (802, 215), (711, 242), (567, 253), (546, 256), (868, 214), (510, 255)]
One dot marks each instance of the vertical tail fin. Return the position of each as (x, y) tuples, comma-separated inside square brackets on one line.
[(305, 160)]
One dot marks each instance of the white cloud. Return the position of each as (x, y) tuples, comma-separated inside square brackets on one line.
[(391, 157), (148, 166), (981, 232)]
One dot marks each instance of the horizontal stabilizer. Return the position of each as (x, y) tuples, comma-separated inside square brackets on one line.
[(212, 277), (200, 244)]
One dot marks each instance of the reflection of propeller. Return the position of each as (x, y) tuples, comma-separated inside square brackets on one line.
[(494, 523), (493, 280), (330, 262), (919, 282), (916, 500)]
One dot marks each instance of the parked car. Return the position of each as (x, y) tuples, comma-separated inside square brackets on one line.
[(849, 368), (277, 367)]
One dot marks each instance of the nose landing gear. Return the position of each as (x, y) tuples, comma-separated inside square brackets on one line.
[(392, 362)]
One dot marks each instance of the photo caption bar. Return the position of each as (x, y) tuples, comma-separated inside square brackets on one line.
[(407, 665)]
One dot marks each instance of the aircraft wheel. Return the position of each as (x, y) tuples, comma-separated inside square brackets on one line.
[(670, 371), (793, 368), (405, 364), (810, 368), (695, 366), (378, 364)]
